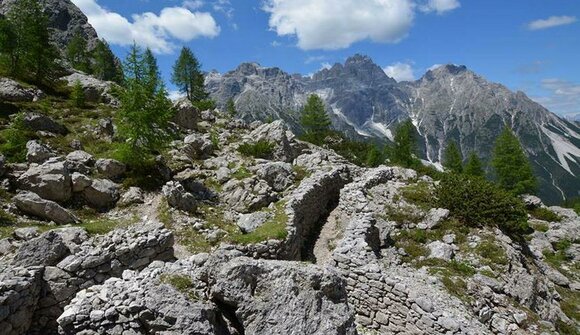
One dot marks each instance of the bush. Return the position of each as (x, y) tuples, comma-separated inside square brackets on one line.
[(14, 139), (544, 214), (477, 202), (204, 105), (77, 95), (260, 149)]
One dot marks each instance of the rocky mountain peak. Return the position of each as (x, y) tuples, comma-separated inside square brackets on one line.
[(358, 68)]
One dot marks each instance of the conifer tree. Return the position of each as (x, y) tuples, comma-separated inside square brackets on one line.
[(106, 66), (78, 55), (404, 146), (512, 168), (145, 110), (7, 45), (231, 107), (34, 54), (314, 119), (188, 77), (452, 159), (78, 95), (474, 166), (151, 71)]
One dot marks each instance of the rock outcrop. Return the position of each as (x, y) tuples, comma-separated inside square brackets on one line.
[(11, 90)]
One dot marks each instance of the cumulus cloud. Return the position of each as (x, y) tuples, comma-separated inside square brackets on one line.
[(563, 96), (193, 4), (400, 71), (440, 6), (552, 21), (155, 31), (324, 24)]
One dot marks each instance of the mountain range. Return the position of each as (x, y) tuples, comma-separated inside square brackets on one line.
[(449, 103)]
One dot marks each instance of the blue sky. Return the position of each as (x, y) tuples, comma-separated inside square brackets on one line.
[(528, 45)]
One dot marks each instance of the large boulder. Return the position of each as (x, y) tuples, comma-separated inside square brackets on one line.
[(39, 122), (134, 195), (11, 90), (80, 161), (278, 134), (31, 203), (198, 146), (278, 175), (51, 180), (46, 250), (186, 114), (101, 194), (110, 168), (248, 195), (250, 222), (179, 198), (95, 90), (37, 152)]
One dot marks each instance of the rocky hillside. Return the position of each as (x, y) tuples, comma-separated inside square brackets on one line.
[(450, 103), (290, 240)]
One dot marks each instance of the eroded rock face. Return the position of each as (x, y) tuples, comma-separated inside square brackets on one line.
[(186, 115), (95, 90), (179, 198), (37, 152), (19, 293), (102, 193), (110, 168), (223, 294), (47, 249), (278, 134), (198, 146), (31, 203), (11, 90)]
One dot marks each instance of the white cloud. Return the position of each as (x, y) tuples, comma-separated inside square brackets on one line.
[(400, 71), (440, 6), (563, 97), (324, 24), (552, 21), (325, 66), (193, 4), (434, 67), (149, 29)]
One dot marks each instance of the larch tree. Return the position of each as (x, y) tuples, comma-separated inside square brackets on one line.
[(452, 159), (512, 168), (314, 119), (474, 166), (187, 76)]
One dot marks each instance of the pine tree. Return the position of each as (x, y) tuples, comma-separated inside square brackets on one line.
[(78, 95), (188, 77), (474, 166), (106, 66), (151, 71), (404, 146), (7, 45), (314, 119), (452, 159), (512, 168), (145, 110), (374, 156), (231, 107), (78, 55), (35, 55)]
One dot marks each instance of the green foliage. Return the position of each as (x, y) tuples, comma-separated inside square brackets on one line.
[(77, 54), (14, 139), (452, 159), (570, 302), (106, 65), (404, 147), (419, 194), (188, 77), (573, 203), (242, 173), (493, 253), (205, 104), (403, 215), (542, 213), (512, 168), (474, 166), (33, 55), (477, 202), (8, 46), (182, 283), (77, 95), (273, 229), (145, 110), (231, 107), (314, 119), (261, 149), (300, 173)]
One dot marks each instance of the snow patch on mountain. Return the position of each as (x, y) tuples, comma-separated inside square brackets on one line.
[(564, 149)]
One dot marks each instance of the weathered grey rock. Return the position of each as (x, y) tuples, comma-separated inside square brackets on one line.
[(278, 175), (186, 115), (133, 195), (95, 90), (76, 144), (26, 233), (179, 198), (198, 146), (248, 195), (31, 203), (48, 249), (80, 161), (110, 168), (37, 152), (80, 182), (532, 201), (2, 165), (106, 128), (433, 218), (438, 249), (39, 122), (101, 194), (11, 90), (51, 180), (19, 293), (278, 134), (250, 222)]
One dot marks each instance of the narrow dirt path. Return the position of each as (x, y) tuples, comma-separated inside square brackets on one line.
[(331, 233)]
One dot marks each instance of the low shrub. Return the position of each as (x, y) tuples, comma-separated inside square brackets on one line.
[(544, 214), (261, 149), (419, 194), (13, 140), (477, 202)]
